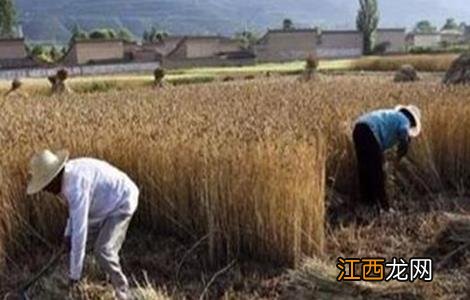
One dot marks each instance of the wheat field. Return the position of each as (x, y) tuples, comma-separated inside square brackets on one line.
[(245, 167)]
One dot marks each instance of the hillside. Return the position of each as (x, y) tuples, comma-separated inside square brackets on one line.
[(52, 20)]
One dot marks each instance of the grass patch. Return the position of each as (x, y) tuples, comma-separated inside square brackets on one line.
[(96, 86), (191, 79), (423, 63)]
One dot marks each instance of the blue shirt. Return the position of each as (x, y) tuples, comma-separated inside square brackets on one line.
[(389, 126)]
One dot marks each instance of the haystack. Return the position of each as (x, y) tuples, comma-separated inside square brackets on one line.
[(158, 75), (58, 83), (311, 66), (15, 85), (406, 73), (459, 71), (14, 90)]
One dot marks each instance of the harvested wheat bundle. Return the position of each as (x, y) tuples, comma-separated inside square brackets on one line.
[(14, 89), (459, 71), (406, 73), (311, 65), (158, 75), (59, 86)]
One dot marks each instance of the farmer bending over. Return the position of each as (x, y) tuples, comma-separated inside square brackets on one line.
[(373, 134), (101, 201)]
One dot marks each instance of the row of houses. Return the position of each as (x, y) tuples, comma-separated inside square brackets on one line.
[(173, 51), (284, 45), (275, 45), (186, 51), (438, 39)]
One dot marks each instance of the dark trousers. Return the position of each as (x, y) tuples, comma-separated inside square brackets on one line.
[(370, 161)]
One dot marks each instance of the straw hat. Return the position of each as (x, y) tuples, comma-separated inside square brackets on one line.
[(416, 113), (44, 167)]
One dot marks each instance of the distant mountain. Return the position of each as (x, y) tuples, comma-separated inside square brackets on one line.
[(52, 20)]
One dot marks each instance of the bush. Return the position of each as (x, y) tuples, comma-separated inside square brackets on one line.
[(424, 63), (96, 86), (192, 80), (228, 78), (406, 73), (459, 48), (103, 33), (381, 48), (422, 50)]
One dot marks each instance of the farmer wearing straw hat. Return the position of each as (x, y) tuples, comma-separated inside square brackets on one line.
[(374, 133), (101, 201)]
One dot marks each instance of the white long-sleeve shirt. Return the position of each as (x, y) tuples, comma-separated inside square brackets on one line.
[(94, 190)]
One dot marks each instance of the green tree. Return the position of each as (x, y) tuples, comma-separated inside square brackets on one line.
[(124, 34), (55, 54), (103, 34), (78, 33), (7, 18), (146, 36), (247, 38), (367, 22), (450, 24), (37, 50), (160, 36), (154, 35), (287, 24), (424, 26), (462, 26), (112, 34)]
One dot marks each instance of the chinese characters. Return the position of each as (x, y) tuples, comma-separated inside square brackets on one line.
[(377, 269)]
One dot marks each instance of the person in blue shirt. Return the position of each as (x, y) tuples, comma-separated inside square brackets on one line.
[(374, 133)]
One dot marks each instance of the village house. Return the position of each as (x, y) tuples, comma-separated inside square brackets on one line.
[(339, 44), (466, 34), (192, 51), (451, 36), (296, 44), (12, 49), (164, 46), (13, 54), (285, 45), (393, 38), (203, 47), (94, 51), (135, 52), (424, 40)]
